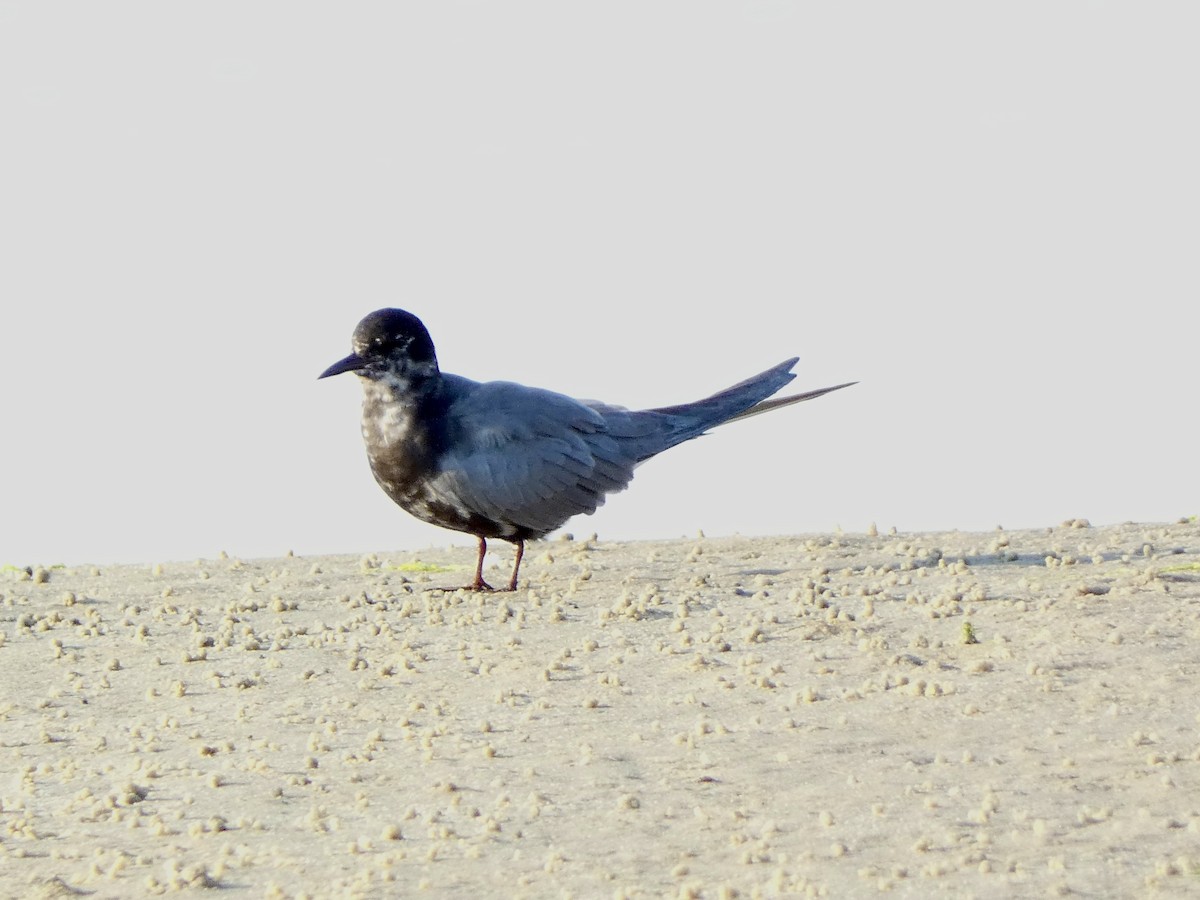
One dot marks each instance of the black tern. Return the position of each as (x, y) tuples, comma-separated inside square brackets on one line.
[(502, 460)]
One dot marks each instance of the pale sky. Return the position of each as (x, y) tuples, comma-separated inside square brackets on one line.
[(988, 214)]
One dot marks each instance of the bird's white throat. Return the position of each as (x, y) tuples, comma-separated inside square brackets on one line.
[(388, 410)]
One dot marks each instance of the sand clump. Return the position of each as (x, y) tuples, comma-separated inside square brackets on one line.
[(995, 714)]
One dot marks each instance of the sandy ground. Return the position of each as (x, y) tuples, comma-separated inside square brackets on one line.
[(1004, 714)]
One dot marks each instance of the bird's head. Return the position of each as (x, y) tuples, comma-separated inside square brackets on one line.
[(389, 344)]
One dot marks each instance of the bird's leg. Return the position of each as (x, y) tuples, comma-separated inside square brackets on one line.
[(479, 584), (512, 584)]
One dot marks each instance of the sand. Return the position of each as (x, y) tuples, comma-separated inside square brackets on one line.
[(1004, 714)]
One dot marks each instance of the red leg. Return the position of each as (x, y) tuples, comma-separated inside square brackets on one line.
[(512, 584), (479, 584)]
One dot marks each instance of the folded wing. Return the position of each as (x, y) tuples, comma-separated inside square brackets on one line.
[(531, 459)]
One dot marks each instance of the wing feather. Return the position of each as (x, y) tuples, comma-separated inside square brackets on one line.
[(528, 457)]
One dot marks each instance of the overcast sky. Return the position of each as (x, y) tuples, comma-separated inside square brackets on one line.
[(985, 213)]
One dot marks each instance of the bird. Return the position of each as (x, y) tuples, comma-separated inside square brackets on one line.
[(505, 461)]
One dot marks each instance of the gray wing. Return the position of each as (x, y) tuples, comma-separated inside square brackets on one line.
[(532, 458)]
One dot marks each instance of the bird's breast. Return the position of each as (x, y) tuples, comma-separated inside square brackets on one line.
[(399, 443), (388, 425)]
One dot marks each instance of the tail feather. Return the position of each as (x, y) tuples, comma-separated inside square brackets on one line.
[(733, 401), (780, 402), (646, 433)]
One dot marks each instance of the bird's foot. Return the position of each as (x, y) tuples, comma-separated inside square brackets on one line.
[(481, 587), (484, 586)]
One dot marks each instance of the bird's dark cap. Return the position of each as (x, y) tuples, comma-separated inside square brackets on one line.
[(387, 338)]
